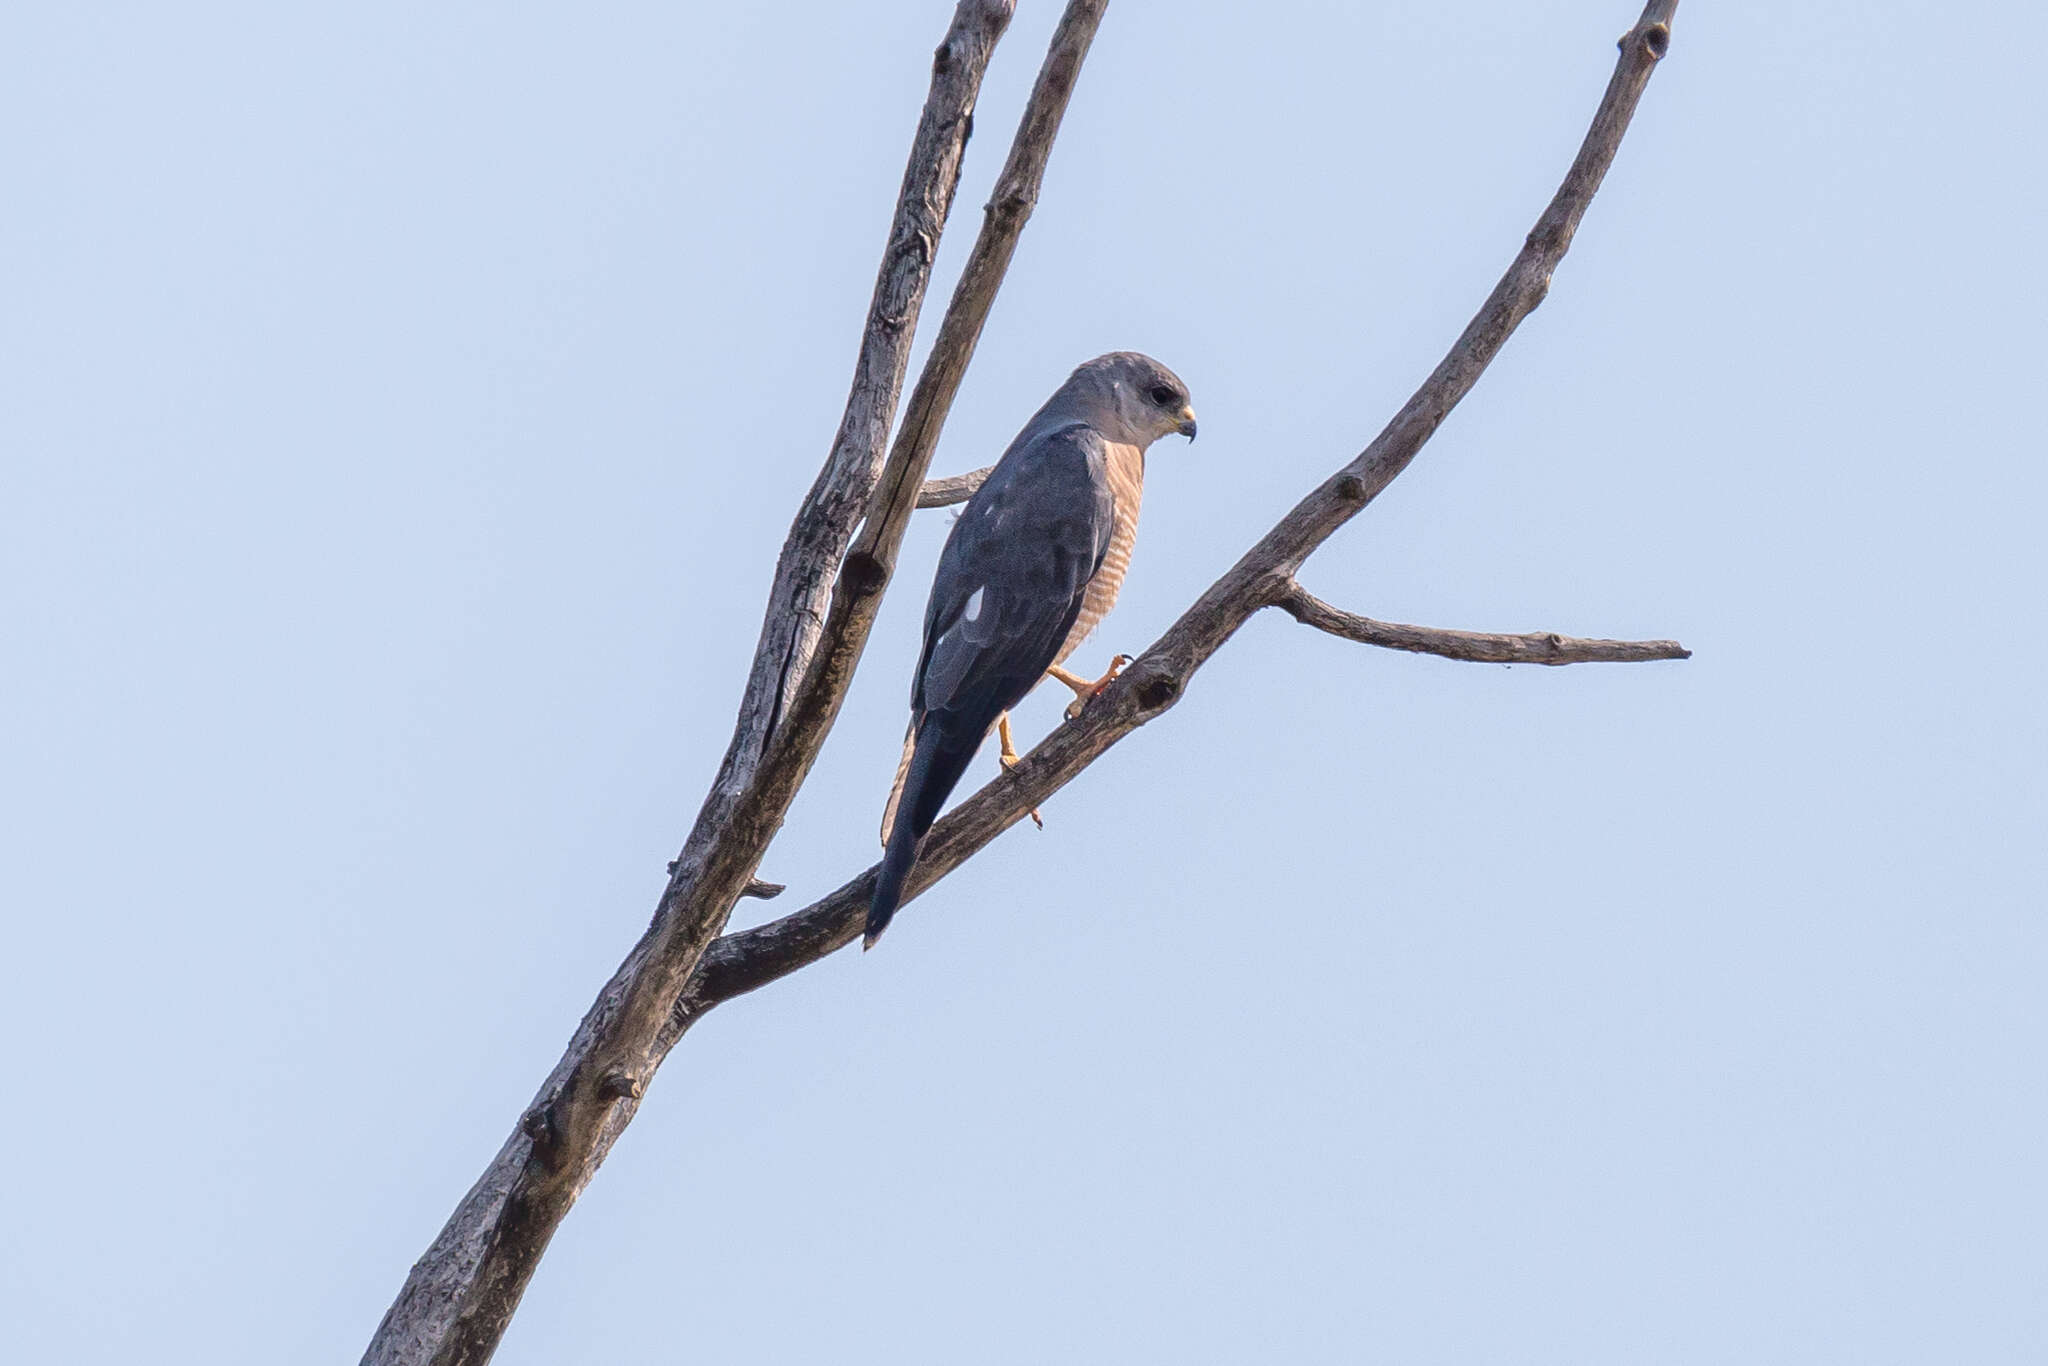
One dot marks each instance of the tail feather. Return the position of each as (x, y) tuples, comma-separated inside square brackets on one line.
[(936, 762), (896, 862)]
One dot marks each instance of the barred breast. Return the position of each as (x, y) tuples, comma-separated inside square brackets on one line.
[(1127, 486)]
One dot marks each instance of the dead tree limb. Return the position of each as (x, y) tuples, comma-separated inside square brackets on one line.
[(1534, 647), (954, 488), (871, 562), (1263, 577), (460, 1296)]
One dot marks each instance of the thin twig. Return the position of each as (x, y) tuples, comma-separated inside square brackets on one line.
[(954, 488), (1476, 647), (749, 959)]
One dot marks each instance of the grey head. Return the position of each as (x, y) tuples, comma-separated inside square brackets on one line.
[(1125, 395)]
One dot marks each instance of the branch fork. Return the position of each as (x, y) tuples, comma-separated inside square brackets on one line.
[(828, 583)]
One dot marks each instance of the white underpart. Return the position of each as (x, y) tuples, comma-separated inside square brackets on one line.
[(973, 608)]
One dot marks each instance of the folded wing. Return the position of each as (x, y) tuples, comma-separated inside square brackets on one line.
[(1009, 587)]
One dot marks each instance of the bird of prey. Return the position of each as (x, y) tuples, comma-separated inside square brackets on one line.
[(1032, 564)]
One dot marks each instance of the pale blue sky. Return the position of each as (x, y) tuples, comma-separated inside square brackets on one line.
[(402, 407)]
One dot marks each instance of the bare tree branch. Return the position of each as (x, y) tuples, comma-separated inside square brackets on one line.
[(456, 1303), (954, 488), (460, 1296), (746, 960), (1535, 647), (870, 563)]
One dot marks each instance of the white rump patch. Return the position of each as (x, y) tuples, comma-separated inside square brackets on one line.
[(973, 608)]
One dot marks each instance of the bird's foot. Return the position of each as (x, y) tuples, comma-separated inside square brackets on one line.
[(1086, 690), (1010, 758)]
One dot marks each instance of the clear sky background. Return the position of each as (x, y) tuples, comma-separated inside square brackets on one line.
[(403, 405)]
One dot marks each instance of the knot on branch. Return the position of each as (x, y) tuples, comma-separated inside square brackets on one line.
[(619, 1084), (544, 1132), (1545, 240), (914, 249), (863, 574), (1656, 40), (1010, 205)]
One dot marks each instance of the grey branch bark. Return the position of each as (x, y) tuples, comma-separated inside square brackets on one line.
[(954, 488), (460, 1296), (749, 959), (1534, 647), (871, 562)]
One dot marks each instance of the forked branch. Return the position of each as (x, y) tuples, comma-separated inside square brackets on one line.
[(1264, 577), (462, 1293)]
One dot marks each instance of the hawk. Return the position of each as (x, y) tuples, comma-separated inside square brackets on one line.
[(1031, 566)]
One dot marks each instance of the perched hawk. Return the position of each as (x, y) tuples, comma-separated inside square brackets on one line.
[(1032, 564)]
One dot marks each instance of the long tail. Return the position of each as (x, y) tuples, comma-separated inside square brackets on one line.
[(937, 760), (896, 861)]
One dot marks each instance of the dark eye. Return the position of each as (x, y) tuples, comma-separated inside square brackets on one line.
[(1163, 396)]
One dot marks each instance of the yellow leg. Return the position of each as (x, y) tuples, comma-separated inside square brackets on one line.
[(1011, 758), (1086, 689)]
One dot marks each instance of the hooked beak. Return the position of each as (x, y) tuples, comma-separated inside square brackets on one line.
[(1187, 423)]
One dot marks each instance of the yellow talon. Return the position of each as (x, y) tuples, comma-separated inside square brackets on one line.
[(1010, 758), (1087, 690)]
